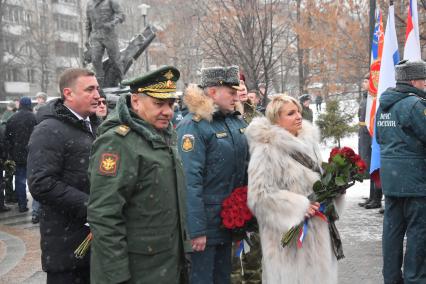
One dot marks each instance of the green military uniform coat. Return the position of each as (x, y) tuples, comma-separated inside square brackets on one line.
[(136, 208)]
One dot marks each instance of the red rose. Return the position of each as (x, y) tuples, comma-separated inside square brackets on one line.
[(240, 190), (361, 166), (241, 198), (235, 212), (348, 153), (355, 158), (225, 213), (227, 203), (239, 221), (228, 223), (247, 214), (335, 151)]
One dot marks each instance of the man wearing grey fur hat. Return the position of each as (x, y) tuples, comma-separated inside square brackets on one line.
[(401, 133), (214, 151)]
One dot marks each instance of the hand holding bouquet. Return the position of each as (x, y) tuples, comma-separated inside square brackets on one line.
[(344, 167)]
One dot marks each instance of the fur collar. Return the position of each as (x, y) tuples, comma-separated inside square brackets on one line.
[(261, 131), (198, 103)]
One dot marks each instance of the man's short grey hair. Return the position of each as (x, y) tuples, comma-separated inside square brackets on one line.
[(42, 95)]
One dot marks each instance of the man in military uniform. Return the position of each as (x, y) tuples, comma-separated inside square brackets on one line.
[(136, 206), (247, 109), (214, 151), (101, 18), (364, 149), (307, 113), (401, 134)]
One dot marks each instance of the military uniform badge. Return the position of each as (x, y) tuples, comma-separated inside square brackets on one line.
[(108, 164), (187, 142), (122, 130)]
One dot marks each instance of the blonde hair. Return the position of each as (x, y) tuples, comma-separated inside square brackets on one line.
[(273, 109)]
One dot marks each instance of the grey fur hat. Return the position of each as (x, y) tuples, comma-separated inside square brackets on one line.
[(410, 70), (221, 76)]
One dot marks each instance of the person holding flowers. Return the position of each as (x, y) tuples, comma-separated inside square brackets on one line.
[(284, 165)]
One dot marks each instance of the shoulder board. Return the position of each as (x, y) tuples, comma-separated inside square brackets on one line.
[(196, 118), (122, 130)]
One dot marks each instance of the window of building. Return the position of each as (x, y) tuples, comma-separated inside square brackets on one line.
[(13, 75), (31, 75), (72, 2), (66, 23), (13, 14)]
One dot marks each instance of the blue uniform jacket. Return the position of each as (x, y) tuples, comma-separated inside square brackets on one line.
[(215, 158), (401, 133)]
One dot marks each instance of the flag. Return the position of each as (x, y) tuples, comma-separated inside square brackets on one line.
[(376, 57), (390, 58), (412, 41)]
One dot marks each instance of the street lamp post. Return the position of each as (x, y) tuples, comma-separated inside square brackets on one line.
[(144, 11)]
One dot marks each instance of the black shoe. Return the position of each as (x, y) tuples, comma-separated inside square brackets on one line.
[(35, 219), (373, 205), (382, 211), (362, 204), (23, 209), (4, 209)]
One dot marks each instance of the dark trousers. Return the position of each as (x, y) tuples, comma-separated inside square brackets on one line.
[(21, 185), (211, 266), (376, 193), (404, 216), (99, 45), (2, 187), (9, 192), (81, 276)]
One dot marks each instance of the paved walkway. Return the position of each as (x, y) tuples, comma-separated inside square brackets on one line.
[(361, 233), (360, 230), (19, 248)]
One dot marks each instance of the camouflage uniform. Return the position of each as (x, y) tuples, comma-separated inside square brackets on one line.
[(250, 112), (248, 268)]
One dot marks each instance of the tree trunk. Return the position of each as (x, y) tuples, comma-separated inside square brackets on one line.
[(300, 53)]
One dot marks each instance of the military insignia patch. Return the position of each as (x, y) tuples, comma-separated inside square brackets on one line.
[(108, 164), (221, 135), (187, 142), (169, 75), (122, 130)]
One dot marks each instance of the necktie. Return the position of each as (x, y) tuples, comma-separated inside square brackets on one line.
[(88, 127)]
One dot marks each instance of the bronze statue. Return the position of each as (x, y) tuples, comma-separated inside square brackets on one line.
[(102, 17)]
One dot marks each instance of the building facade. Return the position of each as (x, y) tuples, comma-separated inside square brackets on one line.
[(40, 38)]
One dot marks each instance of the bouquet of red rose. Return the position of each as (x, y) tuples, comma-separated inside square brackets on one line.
[(344, 167), (236, 216)]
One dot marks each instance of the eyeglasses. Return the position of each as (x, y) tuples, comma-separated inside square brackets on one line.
[(101, 103)]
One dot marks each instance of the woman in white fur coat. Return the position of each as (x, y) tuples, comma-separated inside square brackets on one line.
[(278, 187)]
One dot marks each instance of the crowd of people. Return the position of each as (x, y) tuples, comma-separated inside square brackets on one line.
[(145, 182)]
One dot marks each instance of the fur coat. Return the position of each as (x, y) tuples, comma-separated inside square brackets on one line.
[(278, 187)]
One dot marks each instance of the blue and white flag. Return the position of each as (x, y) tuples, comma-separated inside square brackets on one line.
[(390, 58)]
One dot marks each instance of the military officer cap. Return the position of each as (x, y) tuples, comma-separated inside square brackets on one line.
[(160, 83), (410, 70), (221, 76)]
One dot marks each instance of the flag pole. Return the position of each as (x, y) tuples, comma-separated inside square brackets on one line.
[(372, 22)]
